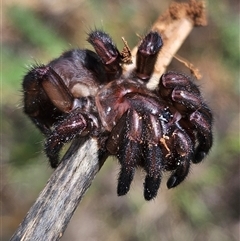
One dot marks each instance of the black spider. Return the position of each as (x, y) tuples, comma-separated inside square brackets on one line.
[(86, 94)]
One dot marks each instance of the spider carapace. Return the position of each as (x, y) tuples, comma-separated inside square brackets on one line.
[(85, 94)]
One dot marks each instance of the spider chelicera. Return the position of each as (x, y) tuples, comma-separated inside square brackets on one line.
[(85, 94)]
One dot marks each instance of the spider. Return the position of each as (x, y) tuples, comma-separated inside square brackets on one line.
[(85, 94)]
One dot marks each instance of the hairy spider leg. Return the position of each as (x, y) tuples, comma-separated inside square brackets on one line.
[(63, 132), (128, 141), (152, 156), (186, 98), (180, 91), (124, 142), (183, 146), (152, 159), (147, 55), (129, 152), (57, 91), (73, 124), (203, 124), (40, 84), (108, 53), (46, 92)]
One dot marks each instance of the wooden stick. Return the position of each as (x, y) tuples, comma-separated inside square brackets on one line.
[(49, 216), (174, 26)]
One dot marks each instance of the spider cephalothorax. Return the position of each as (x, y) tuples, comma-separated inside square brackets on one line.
[(85, 94)]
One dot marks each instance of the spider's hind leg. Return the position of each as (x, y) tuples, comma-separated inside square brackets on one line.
[(44, 90)]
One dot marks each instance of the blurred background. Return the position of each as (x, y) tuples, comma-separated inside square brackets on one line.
[(205, 206)]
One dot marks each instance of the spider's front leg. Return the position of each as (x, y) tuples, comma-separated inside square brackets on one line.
[(51, 90), (76, 123), (135, 141), (108, 53), (112, 60), (124, 142), (152, 156), (184, 95), (54, 110), (147, 54), (45, 97)]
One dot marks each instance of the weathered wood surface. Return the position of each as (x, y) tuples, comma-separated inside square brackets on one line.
[(50, 214)]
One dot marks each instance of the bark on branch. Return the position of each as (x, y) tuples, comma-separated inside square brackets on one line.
[(49, 216)]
